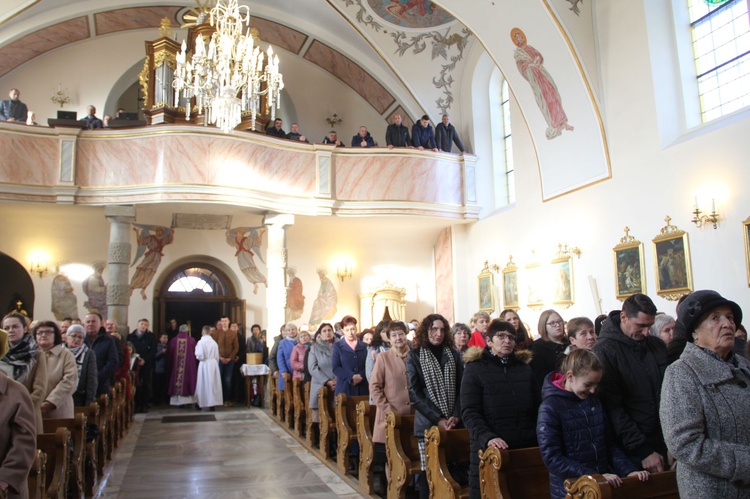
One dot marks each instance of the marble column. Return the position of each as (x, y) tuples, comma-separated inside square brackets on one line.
[(118, 259), (276, 259)]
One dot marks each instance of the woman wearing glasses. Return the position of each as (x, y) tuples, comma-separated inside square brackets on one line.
[(549, 350), (85, 365), (62, 373), (499, 397), (25, 362)]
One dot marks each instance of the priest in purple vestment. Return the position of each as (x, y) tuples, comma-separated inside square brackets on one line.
[(182, 366)]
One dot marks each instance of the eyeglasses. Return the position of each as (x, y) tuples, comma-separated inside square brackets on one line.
[(555, 323), (43, 332), (508, 337)]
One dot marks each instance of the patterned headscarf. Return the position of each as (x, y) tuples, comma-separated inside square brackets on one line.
[(22, 356)]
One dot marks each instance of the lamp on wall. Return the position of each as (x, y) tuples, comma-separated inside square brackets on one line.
[(334, 120), (60, 96), (39, 266), (344, 270), (702, 220), (563, 250)]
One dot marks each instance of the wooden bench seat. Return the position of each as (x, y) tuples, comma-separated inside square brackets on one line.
[(90, 467), (311, 428), (37, 480), (327, 420), (273, 396), (517, 473), (77, 428), (300, 412), (443, 447), (658, 486), (365, 426), (402, 452), (55, 445), (346, 427), (288, 401)]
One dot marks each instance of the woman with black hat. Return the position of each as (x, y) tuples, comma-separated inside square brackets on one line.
[(705, 402)]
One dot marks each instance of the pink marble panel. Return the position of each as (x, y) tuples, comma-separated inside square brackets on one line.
[(26, 48), (350, 73), (389, 177), (112, 21), (29, 160), (261, 167), (444, 274), (279, 35)]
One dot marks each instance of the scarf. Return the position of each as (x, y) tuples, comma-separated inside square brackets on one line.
[(79, 353), (22, 356), (440, 382)]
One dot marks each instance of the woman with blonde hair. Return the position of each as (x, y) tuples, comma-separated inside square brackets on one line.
[(549, 350), (479, 321)]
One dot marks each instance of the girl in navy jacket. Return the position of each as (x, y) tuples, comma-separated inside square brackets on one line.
[(572, 426)]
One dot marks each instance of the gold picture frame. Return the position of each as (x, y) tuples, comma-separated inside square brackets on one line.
[(561, 271), (510, 285), (629, 265), (534, 286), (672, 267), (746, 230), (486, 286)]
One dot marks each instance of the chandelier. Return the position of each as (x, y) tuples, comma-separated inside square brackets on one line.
[(226, 76)]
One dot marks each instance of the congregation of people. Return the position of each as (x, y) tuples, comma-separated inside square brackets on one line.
[(630, 394)]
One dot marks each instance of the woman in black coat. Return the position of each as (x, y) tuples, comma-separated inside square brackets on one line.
[(549, 350), (434, 372), (499, 397)]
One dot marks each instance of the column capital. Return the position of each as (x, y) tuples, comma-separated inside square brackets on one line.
[(120, 213), (279, 219)]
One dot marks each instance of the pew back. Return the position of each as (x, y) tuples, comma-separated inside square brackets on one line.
[(346, 424), (365, 425), (77, 428), (516, 473), (327, 420), (443, 447), (402, 452), (55, 445)]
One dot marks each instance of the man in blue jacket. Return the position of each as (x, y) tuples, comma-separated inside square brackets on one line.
[(104, 347), (363, 138), (422, 134)]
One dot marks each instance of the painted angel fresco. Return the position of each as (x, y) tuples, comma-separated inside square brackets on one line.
[(246, 241), (151, 242), (324, 306), (96, 290), (530, 64)]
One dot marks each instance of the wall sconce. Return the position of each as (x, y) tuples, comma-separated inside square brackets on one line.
[(60, 96), (700, 220), (334, 120), (38, 266), (344, 271), (563, 250)]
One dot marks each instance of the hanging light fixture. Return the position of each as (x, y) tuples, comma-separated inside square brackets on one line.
[(226, 75)]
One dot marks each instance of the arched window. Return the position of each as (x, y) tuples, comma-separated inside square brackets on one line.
[(510, 179), (503, 170), (197, 280), (721, 48)]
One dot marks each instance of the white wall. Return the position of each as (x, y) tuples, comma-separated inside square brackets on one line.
[(648, 182)]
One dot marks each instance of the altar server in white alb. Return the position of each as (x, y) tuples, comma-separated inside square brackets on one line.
[(208, 388)]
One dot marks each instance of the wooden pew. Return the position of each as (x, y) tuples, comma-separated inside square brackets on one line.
[(77, 428), (289, 402), (104, 453), (273, 396), (327, 420), (112, 430), (311, 428), (38, 476), (55, 445), (659, 485), (120, 408), (90, 467), (443, 447), (365, 426), (516, 473), (298, 396), (346, 427), (402, 452)]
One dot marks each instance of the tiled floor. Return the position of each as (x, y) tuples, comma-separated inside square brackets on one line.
[(243, 454)]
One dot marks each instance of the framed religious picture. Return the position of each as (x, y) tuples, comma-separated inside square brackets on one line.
[(674, 276), (562, 279), (510, 285), (746, 231), (628, 260), (534, 286), (486, 290)]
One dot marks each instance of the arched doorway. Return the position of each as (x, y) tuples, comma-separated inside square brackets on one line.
[(16, 287), (198, 294)]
